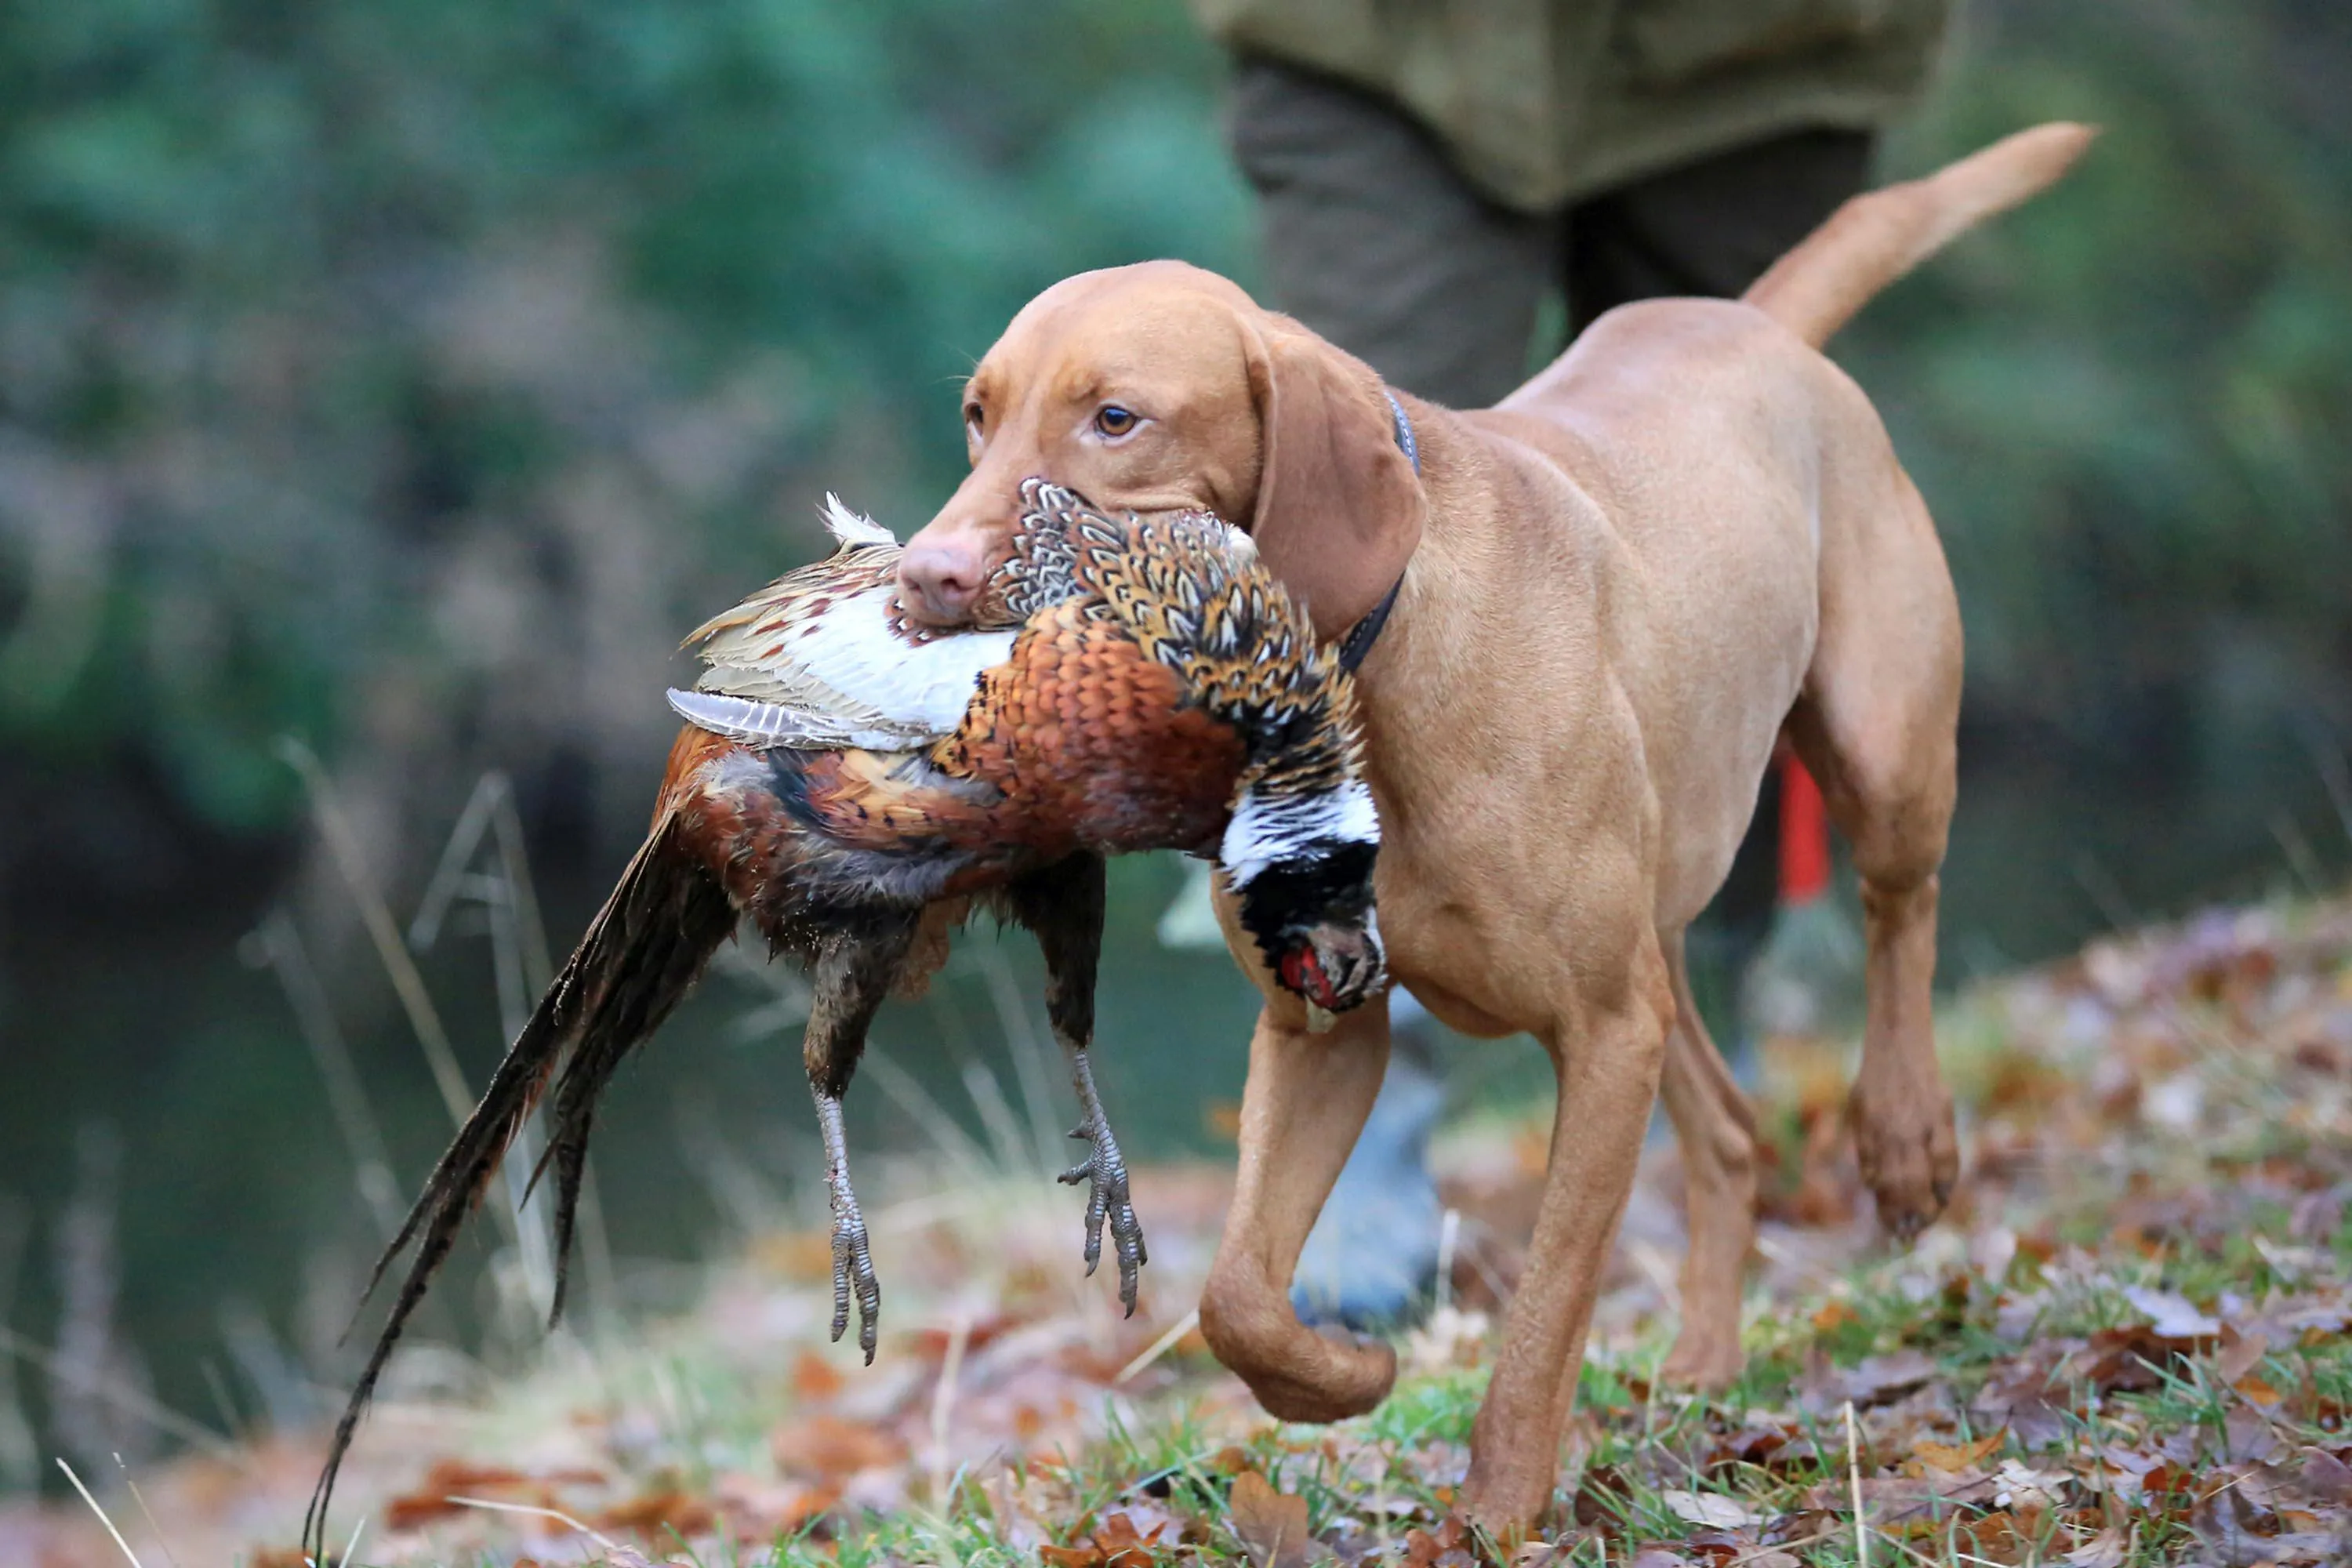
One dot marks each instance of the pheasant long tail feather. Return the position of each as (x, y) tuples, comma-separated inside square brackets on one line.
[(645, 948)]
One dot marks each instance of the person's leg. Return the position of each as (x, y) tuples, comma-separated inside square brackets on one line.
[(1370, 1262), (1371, 240), (1709, 228)]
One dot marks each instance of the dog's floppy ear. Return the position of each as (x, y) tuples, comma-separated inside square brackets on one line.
[(1340, 508)]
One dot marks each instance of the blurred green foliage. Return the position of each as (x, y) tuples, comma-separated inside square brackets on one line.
[(297, 303), (2128, 403), (405, 376)]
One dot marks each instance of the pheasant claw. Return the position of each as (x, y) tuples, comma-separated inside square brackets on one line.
[(853, 1260), (1105, 1171)]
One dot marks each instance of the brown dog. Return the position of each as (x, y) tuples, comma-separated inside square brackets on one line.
[(1619, 588)]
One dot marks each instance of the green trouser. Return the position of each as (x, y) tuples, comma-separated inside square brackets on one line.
[(1372, 239)]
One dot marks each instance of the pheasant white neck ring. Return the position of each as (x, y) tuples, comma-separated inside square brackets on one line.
[(1300, 867)]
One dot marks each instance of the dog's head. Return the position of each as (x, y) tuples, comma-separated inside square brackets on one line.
[(1158, 388)]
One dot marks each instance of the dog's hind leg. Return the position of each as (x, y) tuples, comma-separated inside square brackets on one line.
[(1877, 726), (1715, 1128)]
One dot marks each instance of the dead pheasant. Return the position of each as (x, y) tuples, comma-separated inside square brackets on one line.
[(857, 784)]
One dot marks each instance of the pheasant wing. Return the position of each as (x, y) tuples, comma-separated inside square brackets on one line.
[(822, 657)]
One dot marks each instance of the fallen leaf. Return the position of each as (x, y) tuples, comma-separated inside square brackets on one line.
[(446, 1478), (826, 1447), (2172, 1317), (2232, 1526), (1881, 1378), (2238, 1354), (2329, 1477), (657, 1513), (1446, 1546), (815, 1379), (2248, 1434), (1272, 1526), (1954, 1457), (1709, 1508), (1124, 1546), (1991, 1538), (1991, 1252), (1600, 1495), (2105, 1549), (1896, 1500), (2133, 1359), (2256, 1390)]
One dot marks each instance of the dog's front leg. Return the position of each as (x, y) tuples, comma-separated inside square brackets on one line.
[(1608, 1051), (1304, 1102)]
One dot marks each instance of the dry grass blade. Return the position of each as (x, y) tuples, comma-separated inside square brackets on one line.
[(602, 1541), (424, 1019), (149, 1514), (448, 876), (162, 1417), (1159, 1347), (944, 1399), (76, 1479), (1853, 1476), (1029, 1051), (908, 1093), (514, 865), (279, 946)]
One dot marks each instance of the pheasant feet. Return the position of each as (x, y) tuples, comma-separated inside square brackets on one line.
[(853, 1262), (1104, 1172)]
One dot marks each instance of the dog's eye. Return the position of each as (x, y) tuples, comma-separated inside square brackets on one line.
[(974, 420), (1114, 421)]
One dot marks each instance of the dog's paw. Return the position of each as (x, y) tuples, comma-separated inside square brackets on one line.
[(1704, 1361), (1909, 1151)]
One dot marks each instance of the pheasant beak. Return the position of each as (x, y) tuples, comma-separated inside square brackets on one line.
[(1333, 967)]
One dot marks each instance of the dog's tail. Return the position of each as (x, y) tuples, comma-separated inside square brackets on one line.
[(1878, 238)]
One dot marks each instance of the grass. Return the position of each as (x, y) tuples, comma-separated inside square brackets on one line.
[(2120, 1278), (2126, 1345)]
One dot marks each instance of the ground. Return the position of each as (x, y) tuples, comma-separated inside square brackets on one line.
[(2130, 1342)]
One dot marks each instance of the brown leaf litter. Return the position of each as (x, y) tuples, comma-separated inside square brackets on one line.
[(2127, 1344)]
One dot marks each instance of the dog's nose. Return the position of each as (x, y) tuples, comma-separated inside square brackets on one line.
[(939, 579)]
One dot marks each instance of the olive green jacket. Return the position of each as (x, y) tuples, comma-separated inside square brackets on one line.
[(1542, 101)]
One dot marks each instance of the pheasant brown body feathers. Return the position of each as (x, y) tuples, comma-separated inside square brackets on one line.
[(1129, 680)]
